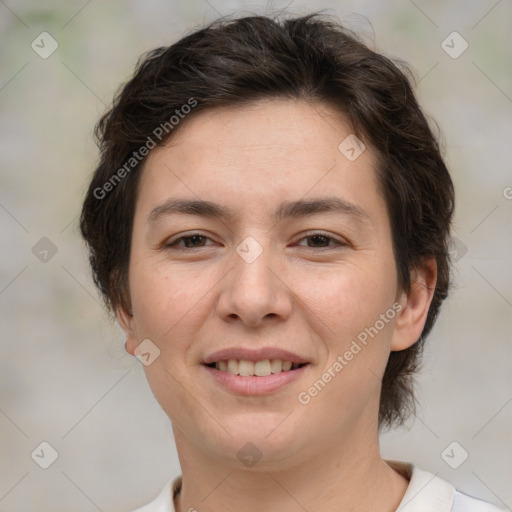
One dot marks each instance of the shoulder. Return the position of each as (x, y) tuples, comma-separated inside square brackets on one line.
[(428, 492), (462, 502)]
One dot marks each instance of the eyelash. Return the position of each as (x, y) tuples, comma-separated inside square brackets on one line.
[(173, 245)]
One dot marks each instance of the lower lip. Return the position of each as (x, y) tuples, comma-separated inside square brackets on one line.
[(255, 385)]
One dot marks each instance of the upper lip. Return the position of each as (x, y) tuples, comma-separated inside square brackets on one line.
[(254, 355)]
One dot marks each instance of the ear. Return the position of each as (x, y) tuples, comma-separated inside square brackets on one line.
[(415, 306), (127, 323)]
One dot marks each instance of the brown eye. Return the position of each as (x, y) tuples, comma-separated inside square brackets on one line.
[(189, 242), (320, 240)]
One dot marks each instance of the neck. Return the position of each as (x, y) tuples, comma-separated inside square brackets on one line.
[(348, 476)]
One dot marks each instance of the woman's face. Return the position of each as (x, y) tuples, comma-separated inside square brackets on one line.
[(273, 275)]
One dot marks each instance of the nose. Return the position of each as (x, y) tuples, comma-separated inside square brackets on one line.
[(255, 291)]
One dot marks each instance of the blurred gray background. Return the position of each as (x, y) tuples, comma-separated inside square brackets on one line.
[(65, 378)]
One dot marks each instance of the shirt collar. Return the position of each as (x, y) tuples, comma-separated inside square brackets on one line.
[(426, 492)]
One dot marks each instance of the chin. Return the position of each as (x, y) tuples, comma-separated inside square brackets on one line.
[(259, 441)]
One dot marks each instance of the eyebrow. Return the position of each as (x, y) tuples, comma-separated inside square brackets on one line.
[(287, 209)]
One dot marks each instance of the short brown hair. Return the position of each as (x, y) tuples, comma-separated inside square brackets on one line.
[(310, 58)]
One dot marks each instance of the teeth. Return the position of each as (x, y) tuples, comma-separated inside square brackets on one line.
[(233, 367), (276, 366), (245, 368), (260, 368)]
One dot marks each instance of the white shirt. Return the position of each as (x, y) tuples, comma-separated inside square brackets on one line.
[(425, 493)]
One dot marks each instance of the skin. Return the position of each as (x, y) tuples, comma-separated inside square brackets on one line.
[(310, 296)]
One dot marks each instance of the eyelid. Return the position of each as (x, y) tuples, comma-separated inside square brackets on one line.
[(173, 240), (338, 242)]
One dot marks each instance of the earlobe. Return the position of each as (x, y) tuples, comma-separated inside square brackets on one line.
[(127, 324), (416, 304)]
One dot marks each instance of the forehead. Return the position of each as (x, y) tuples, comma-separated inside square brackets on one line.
[(265, 151), (272, 130)]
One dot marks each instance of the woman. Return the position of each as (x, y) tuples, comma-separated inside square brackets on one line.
[(269, 222)]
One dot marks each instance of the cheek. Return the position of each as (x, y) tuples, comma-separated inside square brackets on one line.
[(350, 297), (169, 308), (161, 297), (349, 303)]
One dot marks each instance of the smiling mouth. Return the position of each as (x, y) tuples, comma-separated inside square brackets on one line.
[(262, 368)]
